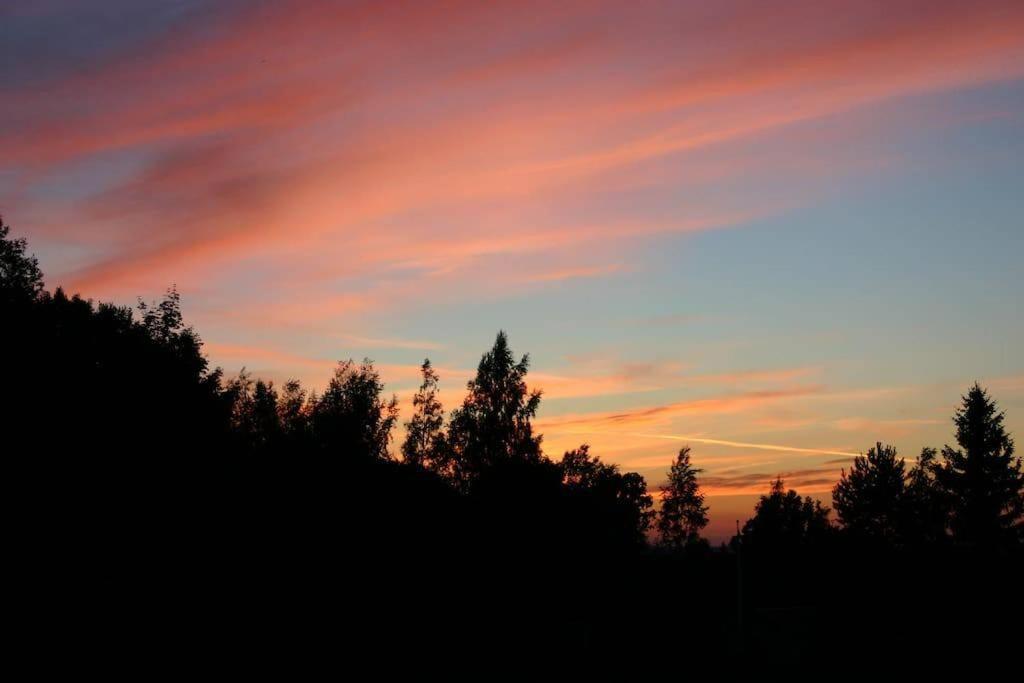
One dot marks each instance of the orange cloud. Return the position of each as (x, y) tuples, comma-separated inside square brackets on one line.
[(596, 422), (805, 481)]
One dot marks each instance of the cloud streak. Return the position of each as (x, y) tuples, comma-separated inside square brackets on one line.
[(421, 115)]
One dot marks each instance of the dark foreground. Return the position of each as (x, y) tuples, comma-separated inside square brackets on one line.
[(163, 521)]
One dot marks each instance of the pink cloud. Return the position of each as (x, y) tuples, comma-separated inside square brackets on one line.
[(297, 141)]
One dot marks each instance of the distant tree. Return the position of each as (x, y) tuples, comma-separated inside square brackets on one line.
[(982, 478), (423, 433), (351, 418), (265, 418), (631, 493), (783, 520), (580, 471), (870, 499), (493, 426), (165, 325), (163, 320), (683, 513), (254, 417), (21, 281), (926, 511), (618, 502), (293, 409)]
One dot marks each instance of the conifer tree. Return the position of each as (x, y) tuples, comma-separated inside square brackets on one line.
[(982, 478)]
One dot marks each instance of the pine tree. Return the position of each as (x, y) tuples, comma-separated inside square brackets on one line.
[(683, 513), (982, 478)]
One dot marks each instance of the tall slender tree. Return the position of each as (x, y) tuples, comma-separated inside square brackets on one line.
[(683, 513), (982, 478), (423, 436)]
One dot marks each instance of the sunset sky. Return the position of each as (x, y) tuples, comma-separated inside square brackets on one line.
[(776, 231)]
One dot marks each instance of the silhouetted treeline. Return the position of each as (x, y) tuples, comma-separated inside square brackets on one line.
[(161, 510)]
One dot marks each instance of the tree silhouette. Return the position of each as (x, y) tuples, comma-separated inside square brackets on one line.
[(21, 281), (580, 471), (982, 478), (254, 416), (926, 511), (870, 500), (683, 513), (164, 323), (423, 445), (293, 411), (783, 520), (615, 502), (351, 418), (493, 425)]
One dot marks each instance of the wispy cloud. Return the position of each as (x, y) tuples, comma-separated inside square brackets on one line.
[(391, 342), (243, 150), (573, 273), (596, 422), (804, 481)]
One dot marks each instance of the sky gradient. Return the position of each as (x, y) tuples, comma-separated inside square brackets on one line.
[(775, 231)]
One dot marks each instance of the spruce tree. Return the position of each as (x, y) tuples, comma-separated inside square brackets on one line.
[(982, 478)]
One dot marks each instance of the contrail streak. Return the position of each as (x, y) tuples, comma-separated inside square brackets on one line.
[(742, 444), (723, 442)]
